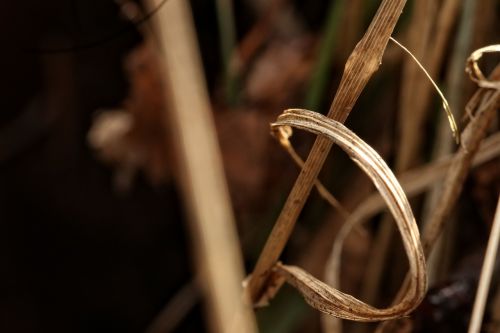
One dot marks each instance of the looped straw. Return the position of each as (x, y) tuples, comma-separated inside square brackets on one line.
[(318, 294), (475, 73)]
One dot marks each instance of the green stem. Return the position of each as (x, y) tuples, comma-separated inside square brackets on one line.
[(321, 71)]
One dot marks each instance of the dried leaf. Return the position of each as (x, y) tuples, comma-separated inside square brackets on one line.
[(318, 294)]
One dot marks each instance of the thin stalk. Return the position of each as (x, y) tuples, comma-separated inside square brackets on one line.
[(446, 106), (486, 274), (321, 71), (214, 239), (230, 59)]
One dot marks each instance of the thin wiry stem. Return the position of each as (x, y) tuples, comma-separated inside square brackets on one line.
[(446, 106), (486, 274)]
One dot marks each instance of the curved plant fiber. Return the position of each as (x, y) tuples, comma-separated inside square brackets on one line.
[(318, 294)]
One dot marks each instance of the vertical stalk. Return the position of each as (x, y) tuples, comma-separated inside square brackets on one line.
[(363, 62), (486, 274), (217, 252), (321, 71), (227, 34)]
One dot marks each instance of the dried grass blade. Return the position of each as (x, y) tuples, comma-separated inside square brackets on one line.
[(318, 294)]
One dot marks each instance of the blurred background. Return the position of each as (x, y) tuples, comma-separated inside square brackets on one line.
[(93, 234)]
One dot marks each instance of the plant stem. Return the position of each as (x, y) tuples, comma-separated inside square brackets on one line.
[(227, 34), (362, 63), (201, 174), (486, 274), (322, 68)]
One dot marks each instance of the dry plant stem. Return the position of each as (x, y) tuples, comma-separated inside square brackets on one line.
[(486, 274), (446, 106), (363, 62), (486, 102), (214, 238), (475, 72), (318, 294)]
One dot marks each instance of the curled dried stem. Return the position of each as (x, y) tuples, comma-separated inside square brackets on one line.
[(475, 72), (318, 294)]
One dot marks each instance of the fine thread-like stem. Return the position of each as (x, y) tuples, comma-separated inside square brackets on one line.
[(446, 106)]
